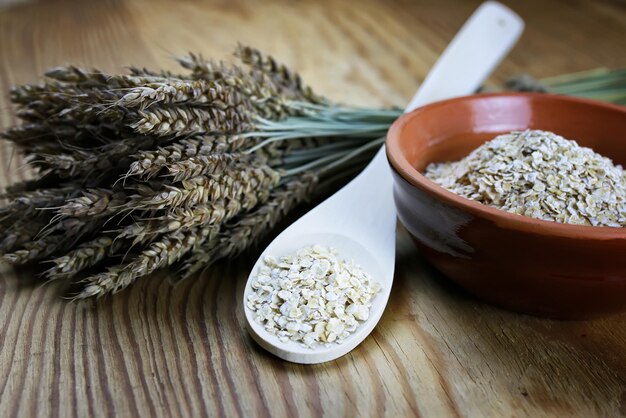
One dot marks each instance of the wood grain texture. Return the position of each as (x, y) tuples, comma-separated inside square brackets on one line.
[(158, 350)]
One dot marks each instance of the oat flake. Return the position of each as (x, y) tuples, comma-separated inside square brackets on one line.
[(541, 175), (311, 296)]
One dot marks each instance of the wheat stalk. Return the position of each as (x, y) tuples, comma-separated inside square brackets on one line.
[(149, 163), (86, 255), (186, 120), (279, 73), (162, 253), (94, 202)]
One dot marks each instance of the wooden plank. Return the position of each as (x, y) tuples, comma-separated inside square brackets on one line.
[(158, 350)]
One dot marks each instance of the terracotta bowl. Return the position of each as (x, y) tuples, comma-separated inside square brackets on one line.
[(520, 263)]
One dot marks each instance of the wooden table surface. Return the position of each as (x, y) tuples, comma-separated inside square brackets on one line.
[(158, 350)]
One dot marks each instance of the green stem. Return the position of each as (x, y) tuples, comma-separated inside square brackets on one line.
[(313, 164), (338, 163)]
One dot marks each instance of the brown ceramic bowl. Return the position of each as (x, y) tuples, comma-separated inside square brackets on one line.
[(524, 264)]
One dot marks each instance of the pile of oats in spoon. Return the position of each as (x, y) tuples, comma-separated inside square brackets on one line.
[(312, 296)]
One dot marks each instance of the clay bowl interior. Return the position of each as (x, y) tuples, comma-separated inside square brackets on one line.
[(528, 265)]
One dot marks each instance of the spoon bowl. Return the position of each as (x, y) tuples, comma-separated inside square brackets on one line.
[(349, 249)]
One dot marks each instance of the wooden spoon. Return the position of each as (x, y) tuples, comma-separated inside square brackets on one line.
[(360, 219)]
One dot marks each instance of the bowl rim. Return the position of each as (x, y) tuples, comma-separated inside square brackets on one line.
[(500, 217)]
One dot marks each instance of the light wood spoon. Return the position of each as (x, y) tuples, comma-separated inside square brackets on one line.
[(360, 219)]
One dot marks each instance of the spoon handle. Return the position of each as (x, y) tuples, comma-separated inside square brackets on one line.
[(480, 45), (476, 50)]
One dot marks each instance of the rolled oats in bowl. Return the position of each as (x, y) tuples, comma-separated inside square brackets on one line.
[(542, 175), (311, 296)]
